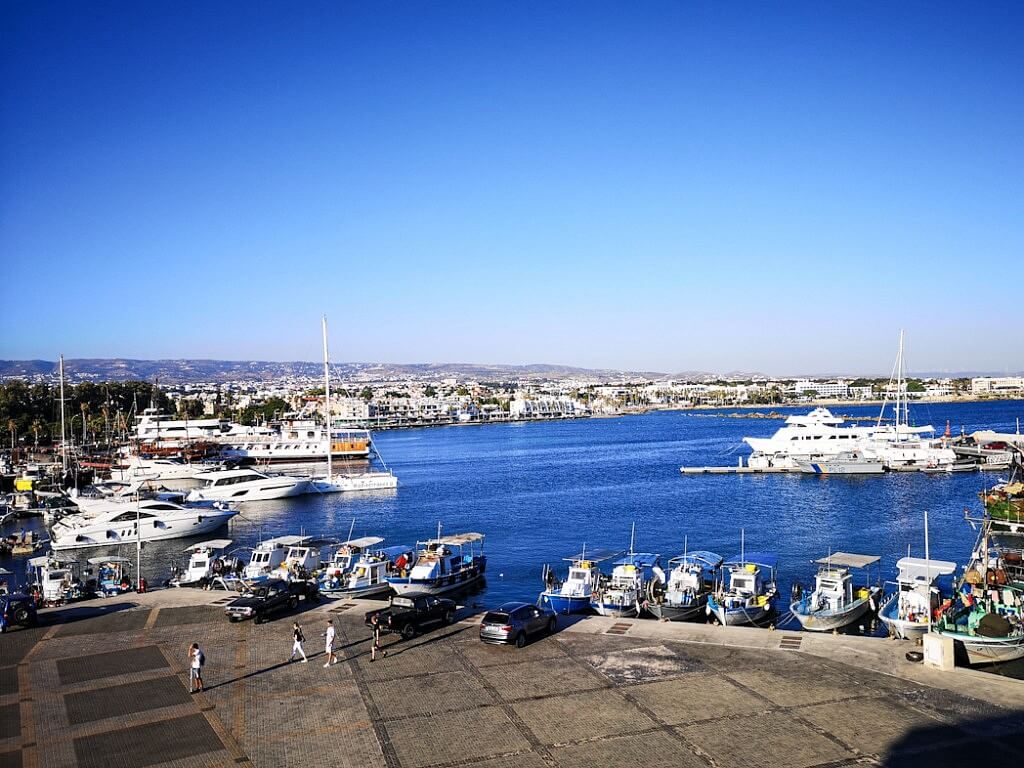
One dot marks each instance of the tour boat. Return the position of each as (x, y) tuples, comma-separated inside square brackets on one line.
[(369, 573), (443, 564), (907, 611), (247, 485), (146, 520), (619, 596), (692, 578), (574, 594), (835, 602), (748, 590), (266, 558), (295, 440), (207, 561), (56, 578)]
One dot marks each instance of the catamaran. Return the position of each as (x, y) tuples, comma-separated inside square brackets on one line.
[(835, 602)]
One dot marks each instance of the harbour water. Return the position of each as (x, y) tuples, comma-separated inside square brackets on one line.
[(542, 490)]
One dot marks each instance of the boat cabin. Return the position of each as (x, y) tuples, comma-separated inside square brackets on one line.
[(112, 575), (56, 578), (692, 574), (203, 558), (269, 555), (752, 574), (348, 552), (631, 571), (915, 581)]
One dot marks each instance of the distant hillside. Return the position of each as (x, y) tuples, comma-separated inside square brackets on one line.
[(190, 371)]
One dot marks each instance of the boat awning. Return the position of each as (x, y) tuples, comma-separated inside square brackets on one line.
[(104, 560), (703, 557), (918, 569), (764, 559), (287, 541), (211, 544), (596, 555), (847, 560), (393, 553), (639, 559), (983, 436), (38, 562), (364, 541), (458, 539)]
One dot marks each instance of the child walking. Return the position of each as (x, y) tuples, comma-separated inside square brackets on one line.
[(196, 662)]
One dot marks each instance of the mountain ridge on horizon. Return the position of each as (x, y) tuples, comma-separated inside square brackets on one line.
[(196, 370)]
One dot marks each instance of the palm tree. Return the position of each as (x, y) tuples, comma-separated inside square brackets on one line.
[(36, 426), (11, 425)]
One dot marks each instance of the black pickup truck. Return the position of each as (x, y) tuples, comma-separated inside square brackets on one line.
[(260, 600), (408, 614)]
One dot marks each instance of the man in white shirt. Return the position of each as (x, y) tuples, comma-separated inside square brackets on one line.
[(329, 644)]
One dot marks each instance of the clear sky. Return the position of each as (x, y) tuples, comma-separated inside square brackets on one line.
[(662, 186)]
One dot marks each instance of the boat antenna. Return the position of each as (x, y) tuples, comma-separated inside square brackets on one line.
[(439, 530), (583, 554), (63, 439), (327, 403), (686, 541), (351, 527), (632, 532)]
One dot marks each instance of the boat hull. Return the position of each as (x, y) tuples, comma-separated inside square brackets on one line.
[(370, 590), (465, 579), (690, 612), (736, 617), (841, 468), (369, 481), (566, 604), (826, 621), (987, 650), (615, 610), (206, 522), (900, 628), (258, 492)]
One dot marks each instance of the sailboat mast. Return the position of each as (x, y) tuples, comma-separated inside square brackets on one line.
[(63, 438), (743, 546), (928, 567), (327, 402), (632, 532)]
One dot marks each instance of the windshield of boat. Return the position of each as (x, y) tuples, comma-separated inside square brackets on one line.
[(578, 574)]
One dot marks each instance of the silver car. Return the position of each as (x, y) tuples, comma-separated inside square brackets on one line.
[(515, 622)]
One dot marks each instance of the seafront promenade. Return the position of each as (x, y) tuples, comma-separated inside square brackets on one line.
[(104, 683)]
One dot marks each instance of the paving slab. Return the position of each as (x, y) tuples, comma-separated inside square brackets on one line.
[(122, 700), (148, 744), (763, 741), (643, 664), (454, 737), (443, 692), (10, 721), (581, 716), (8, 680), (99, 665), (691, 698), (545, 677), (796, 686), (649, 750)]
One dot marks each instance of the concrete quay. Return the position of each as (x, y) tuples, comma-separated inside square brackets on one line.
[(104, 683)]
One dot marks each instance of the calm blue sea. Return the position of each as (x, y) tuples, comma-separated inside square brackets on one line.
[(540, 491)]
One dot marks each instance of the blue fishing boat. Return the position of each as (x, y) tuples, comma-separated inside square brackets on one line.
[(692, 578), (835, 601), (443, 564), (573, 595), (748, 590), (620, 595)]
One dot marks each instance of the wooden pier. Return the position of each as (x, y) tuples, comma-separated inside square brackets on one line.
[(738, 470)]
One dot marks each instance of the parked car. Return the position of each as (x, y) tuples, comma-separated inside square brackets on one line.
[(515, 622), (408, 614), (259, 601), (17, 608)]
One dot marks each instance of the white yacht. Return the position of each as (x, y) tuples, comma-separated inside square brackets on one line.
[(247, 485), (146, 520), (295, 440), (136, 468)]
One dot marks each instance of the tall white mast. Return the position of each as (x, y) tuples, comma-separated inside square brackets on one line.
[(63, 439), (928, 568), (327, 402)]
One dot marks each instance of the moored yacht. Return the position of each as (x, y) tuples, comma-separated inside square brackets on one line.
[(247, 485), (147, 520)]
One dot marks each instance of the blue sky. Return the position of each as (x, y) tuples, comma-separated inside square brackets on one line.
[(662, 186)]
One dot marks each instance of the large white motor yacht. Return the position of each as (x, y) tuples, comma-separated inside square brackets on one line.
[(247, 485), (145, 520), (295, 440)]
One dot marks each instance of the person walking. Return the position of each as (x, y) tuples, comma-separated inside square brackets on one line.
[(196, 662), (297, 640), (329, 644), (375, 624)]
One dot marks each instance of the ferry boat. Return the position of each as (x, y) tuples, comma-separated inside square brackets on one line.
[(692, 578), (247, 485), (369, 573), (147, 520), (621, 594), (907, 612), (443, 564), (574, 594), (207, 561), (748, 590), (835, 602)]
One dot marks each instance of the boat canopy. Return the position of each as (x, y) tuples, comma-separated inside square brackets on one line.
[(458, 539), (913, 569), (211, 544), (700, 556), (765, 559), (106, 560), (44, 560), (846, 560), (285, 541), (639, 559), (363, 541), (595, 555), (393, 553)]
